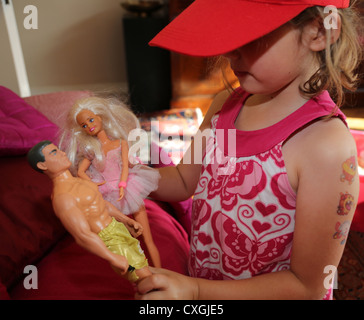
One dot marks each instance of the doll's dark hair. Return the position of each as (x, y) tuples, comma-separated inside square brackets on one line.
[(36, 155)]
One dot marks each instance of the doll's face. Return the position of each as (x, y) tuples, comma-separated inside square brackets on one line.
[(55, 160), (89, 122)]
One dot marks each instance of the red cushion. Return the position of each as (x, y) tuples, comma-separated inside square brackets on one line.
[(21, 126), (29, 231), (3, 293), (28, 226), (70, 272)]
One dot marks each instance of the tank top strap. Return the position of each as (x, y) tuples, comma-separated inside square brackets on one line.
[(249, 143)]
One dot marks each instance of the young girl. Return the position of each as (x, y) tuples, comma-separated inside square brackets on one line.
[(96, 143), (278, 157)]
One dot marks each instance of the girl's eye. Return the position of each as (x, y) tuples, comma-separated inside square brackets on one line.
[(83, 126), (92, 120)]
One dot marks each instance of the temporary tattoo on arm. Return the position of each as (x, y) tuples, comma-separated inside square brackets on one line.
[(342, 230), (345, 204), (347, 201), (349, 170)]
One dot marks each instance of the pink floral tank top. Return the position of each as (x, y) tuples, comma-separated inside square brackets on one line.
[(243, 214)]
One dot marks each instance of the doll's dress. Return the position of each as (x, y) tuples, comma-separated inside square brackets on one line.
[(142, 180)]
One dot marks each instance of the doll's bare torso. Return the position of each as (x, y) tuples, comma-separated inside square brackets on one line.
[(86, 197)]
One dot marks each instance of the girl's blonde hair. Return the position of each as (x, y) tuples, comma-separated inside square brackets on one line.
[(338, 63), (117, 120)]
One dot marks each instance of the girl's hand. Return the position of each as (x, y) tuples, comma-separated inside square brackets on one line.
[(167, 285)]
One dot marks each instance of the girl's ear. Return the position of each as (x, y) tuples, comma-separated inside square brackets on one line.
[(316, 32)]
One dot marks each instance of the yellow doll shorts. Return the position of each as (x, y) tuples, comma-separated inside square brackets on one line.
[(119, 241)]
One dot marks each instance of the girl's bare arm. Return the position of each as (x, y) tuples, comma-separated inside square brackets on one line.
[(179, 183)]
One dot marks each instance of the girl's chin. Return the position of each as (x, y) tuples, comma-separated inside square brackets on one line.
[(254, 87)]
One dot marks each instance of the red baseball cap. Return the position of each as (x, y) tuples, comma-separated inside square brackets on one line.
[(213, 27)]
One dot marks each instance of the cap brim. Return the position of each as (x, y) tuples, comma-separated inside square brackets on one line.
[(211, 27)]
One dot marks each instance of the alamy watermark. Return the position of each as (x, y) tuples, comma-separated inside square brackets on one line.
[(31, 20), (330, 21), (214, 143), (31, 280), (330, 280)]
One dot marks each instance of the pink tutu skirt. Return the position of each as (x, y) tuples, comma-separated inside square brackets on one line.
[(142, 180)]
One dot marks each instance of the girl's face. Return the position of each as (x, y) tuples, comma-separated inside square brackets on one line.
[(271, 63), (89, 122)]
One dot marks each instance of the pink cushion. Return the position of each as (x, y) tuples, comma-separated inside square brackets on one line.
[(55, 105), (21, 126)]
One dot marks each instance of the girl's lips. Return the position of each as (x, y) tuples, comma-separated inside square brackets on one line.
[(92, 129)]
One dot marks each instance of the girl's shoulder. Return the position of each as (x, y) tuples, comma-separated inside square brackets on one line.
[(330, 133), (318, 149), (322, 142)]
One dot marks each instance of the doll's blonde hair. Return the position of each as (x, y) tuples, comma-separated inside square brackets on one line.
[(117, 120)]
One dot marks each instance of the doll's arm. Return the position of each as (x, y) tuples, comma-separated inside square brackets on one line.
[(76, 224), (125, 159), (134, 227), (125, 168), (82, 168)]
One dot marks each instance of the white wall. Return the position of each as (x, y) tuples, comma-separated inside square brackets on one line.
[(78, 45)]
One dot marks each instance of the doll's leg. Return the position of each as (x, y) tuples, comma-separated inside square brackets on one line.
[(134, 275), (142, 217)]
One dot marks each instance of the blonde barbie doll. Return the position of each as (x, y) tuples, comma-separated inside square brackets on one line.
[(95, 141)]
